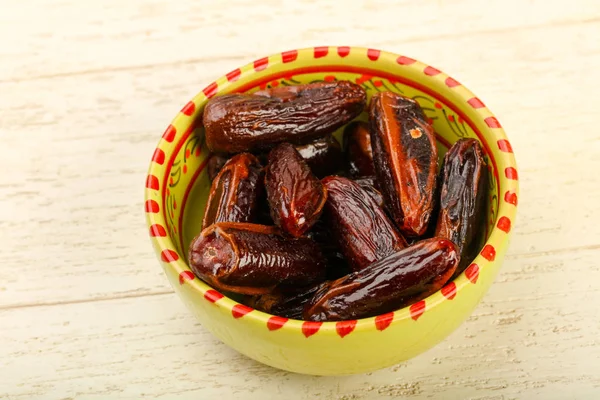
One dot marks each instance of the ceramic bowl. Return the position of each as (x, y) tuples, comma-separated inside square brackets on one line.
[(177, 187)]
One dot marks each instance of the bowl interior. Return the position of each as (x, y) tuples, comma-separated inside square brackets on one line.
[(188, 184), (177, 189), (177, 183)]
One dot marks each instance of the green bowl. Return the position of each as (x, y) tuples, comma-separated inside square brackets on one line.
[(177, 187)]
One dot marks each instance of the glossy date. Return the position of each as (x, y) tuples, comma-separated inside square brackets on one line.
[(288, 303), (254, 259), (323, 156), (357, 146), (405, 157), (369, 185), (296, 197), (235, 191), (296, 114), (462, 199), (337, 265), (386, 285), (360, 227), (215, 164)]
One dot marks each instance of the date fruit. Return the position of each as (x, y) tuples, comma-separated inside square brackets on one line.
[(296, 197), (360, 227), (254, 259), (288, 303), (296, 114), (369, 185), (323, 156), (406, 159), (462, 199), (357, 145), (337, 265), (215, 164), (235, 191), (386, 285)]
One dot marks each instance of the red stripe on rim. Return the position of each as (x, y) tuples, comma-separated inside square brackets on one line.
[(168, 255), (152, 182), (289, 56), (157, 230), (213, 295), (210, 90), (373, 54), (158, 156), (431, 71), (402, 60), (152, 206), (234, 75), (504, 224), (451, 82), (261, 64), (511, 173), (169, 134), (321, 51), (185, 276), (472, 273), (476, 103), (492, 122), (504, 145), (343, 51)]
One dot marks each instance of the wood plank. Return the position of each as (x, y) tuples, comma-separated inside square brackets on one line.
[(535, 335), (71, 199), (76, 37)]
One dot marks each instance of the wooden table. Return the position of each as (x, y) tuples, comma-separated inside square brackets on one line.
[(86, 88)]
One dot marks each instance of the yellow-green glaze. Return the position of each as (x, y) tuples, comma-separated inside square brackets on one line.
[(177, 183)]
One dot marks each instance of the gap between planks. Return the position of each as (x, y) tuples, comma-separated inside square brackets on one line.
[(241, 58)]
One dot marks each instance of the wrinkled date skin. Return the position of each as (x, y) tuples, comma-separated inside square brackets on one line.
[(360, 227), (357, 145), (295, 114), (323, 156), (288, 303), (405, 158), (386, 285), (215, 164), (337, 266), (235, 191), (296, 197), (253, 259), (369, 185), (462, 199)]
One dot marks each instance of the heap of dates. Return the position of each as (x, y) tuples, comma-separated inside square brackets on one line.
[(300, 227)]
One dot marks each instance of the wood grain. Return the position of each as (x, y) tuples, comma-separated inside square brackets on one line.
[(143, 34), (529, 338), (85, 92)]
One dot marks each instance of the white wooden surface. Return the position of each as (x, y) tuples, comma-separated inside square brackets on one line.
[(86, 89)]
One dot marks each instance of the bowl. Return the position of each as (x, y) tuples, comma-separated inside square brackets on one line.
[(177, 186)]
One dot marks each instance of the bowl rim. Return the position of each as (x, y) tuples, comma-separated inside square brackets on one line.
[(507, 200)]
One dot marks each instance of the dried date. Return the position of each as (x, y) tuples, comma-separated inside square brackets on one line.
[(369, 185), (360, 227), (386, 285), (323, 156), (254, 259), (215, 164), (337, 265), (296, 197), (405, 157), (295, 114), (288, 303), (357, 146), (235, 191), (462, 199)]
